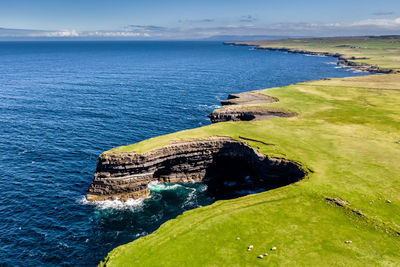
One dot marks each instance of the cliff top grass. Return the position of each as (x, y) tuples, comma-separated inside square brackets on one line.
[(377, 51), (348, 133)]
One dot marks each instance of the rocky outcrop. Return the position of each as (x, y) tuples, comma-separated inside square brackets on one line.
[(221, 115), (247, 98), (238, 108), (222, 163)]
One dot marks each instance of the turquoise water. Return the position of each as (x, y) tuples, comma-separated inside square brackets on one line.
[(63, 103)]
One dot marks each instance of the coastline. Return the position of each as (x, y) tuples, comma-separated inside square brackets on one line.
[(267, 151), (342, 60)]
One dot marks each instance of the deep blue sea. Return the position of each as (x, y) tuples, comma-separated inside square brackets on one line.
[(63, 103)]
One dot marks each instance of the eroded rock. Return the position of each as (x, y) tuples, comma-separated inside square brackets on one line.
[(213, 161), (236, 108), (248, 114)]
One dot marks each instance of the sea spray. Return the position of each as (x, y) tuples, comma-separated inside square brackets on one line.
[(117, 204)]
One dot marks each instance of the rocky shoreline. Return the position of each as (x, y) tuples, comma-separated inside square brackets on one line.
[(236, 108), (342, 61), (216, 161)]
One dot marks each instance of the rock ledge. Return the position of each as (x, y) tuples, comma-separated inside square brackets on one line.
[(243, 107)]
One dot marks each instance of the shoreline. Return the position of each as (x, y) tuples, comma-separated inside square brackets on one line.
[(341, 61)]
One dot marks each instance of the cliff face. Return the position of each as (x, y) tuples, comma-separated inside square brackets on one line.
[(221, 115), (222, 163)]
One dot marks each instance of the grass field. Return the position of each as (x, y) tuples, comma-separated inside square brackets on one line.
[(348, 133), (383, 52)]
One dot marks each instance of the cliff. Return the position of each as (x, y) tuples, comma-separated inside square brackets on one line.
[(353, 52), (344, 213), (215, 161)]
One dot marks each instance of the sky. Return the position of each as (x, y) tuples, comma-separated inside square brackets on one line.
[(187, 19)]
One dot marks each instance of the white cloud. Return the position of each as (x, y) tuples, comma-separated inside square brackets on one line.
[(363, 27), (62, 33), (377, 22), (115, 34)]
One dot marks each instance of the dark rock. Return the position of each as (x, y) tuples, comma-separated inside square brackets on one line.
[(234, 108)]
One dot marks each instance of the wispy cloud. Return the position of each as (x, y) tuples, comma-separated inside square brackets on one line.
[(191, 21), (384, 23), (388, 13), (145, 28), (371, 26), (247, 18)]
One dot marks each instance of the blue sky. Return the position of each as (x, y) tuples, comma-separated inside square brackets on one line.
[(156, 19)]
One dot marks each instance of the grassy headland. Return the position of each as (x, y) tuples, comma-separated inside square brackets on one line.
[(383, 52), (347, 132)]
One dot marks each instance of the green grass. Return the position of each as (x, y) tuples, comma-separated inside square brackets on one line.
[(382, 52), (348, 133)]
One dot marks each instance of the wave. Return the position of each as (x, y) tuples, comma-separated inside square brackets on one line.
[(191, 197), (117, 204), (311, 55), (207, 107), (157, 186)]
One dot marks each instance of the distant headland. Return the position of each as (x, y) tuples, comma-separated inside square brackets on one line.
[(341, 135)]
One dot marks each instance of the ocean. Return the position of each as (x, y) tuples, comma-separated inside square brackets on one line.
[(64, 103)]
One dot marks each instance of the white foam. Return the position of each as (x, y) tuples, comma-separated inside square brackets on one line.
[(311, 55), (191, 196), (157, 186), (203, 188), (113, 204), (203, 106)]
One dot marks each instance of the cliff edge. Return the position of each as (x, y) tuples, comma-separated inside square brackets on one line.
[(215, 161)]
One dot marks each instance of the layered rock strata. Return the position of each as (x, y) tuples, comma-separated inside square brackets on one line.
[(219, 162), (245, 115), (237, 108)]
